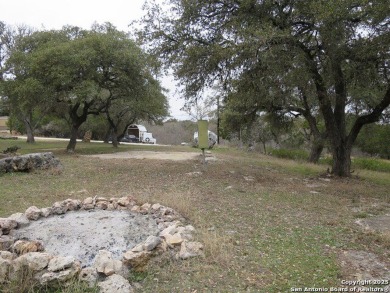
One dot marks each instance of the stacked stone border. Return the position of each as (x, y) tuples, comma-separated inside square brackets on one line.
[(107, 273)]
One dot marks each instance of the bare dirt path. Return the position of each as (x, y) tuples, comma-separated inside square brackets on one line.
[(173, 156)]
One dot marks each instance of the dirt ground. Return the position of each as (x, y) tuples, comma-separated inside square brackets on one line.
[(172, 156)]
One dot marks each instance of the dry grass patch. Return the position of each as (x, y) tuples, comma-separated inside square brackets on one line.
[(267, 224)]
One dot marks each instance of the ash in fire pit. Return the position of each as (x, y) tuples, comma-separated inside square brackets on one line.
[(107, 237), (83, 233)]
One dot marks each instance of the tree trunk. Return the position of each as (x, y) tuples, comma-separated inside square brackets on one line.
[(115, 142), (73, 139), (107, 135), (341, 161), (316, 150), (29, 131)]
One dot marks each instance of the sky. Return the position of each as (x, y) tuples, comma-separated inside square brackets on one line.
[(54, 14)]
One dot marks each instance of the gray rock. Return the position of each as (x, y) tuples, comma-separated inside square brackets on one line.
[(115, 283), (136, 260), (59, 208), (25, 246), (61, 276), (46, 212), (6, 242), (89, 275), (35, 261), (33, 213), (151, 242), (6, 225), (5, 266), (59, 263), (20, 219), (6, 255), (29, 162)]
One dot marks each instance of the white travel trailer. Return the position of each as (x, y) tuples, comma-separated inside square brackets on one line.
[(141, 132)]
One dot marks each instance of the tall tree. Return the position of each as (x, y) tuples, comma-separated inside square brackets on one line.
[(27, 98), (86, 70), (341, 46)]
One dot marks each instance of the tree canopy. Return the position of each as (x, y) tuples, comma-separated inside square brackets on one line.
[(334, 53), (87, 72)]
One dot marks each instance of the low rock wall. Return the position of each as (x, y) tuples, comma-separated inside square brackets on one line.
[(29, 162), (107, 273)]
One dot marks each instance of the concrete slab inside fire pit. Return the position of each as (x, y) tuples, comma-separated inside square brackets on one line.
[(83, 233)]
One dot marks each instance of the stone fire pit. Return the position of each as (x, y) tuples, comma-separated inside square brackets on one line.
[(97, 240)]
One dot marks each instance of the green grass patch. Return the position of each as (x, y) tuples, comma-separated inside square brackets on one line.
[(82, 148), (291, 154), (371, 164)]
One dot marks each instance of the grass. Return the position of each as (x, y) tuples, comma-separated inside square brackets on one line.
[(263, 228), (359, 163)]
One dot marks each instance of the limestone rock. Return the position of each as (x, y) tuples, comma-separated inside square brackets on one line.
[(59, 208), (6, 225), (29, 162), (173, 240), (138, 248), (33, 213), (115, 283), (6, 255), (35, 261), (6, 242), (111, 207), (46, 212), (104, 199), (60, 276), (155, 207), (151, 242), (89, 275), (88, 200), (103, 205), (168, 231), (104, 263), (20, 219), (136, 260), (145, 208), (59, 263), (124, 201), (186, 232), (136, 209), (88, 206), (5, 266), (190, 249), (25, 246), (71, 204), (163, 245)]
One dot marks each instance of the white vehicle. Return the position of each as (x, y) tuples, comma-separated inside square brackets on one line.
[(147, 137), (141, 132)]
